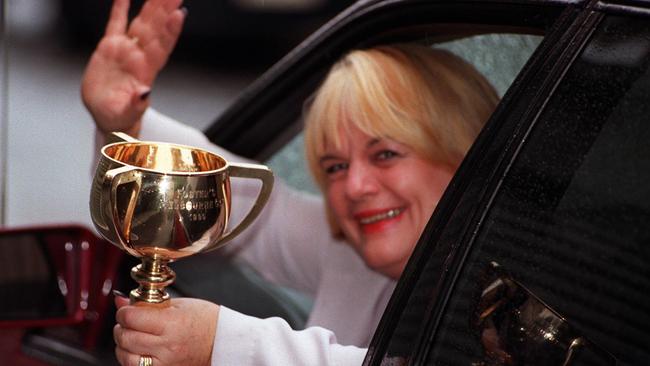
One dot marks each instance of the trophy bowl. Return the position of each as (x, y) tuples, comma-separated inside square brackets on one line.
[(161, 202)]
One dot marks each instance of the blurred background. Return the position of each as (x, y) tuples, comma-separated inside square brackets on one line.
[(46, 135)]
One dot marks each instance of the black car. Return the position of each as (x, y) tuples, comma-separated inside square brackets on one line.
[(538, 252)]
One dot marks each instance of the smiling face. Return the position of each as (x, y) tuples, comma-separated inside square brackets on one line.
[(382, 194), (428, 106)]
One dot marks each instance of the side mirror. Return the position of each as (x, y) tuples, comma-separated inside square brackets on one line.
[(45, 275)]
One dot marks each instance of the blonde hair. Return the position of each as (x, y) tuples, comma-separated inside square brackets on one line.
[(426, 98)]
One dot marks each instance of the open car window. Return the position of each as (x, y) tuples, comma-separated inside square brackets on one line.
[(499, 57)]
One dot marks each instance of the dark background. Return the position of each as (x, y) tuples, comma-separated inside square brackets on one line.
[(217, 32)]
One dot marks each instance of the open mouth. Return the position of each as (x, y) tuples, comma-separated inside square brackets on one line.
[(381, 216)]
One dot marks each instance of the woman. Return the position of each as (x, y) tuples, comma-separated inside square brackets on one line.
[(384, 134)]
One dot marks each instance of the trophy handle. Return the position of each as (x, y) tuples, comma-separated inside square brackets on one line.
[(255, 171), (119, 137), (112, 180)]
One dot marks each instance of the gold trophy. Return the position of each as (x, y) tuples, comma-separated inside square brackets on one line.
[(161, 202)]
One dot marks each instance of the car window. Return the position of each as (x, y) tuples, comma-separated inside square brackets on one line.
[(289, 163), (569, 222), (498, 56)]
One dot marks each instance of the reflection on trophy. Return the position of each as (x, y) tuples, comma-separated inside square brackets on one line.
[(161, 202), (517, 328)]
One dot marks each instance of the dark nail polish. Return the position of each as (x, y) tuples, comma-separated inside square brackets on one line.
[(119, 293), (145, 95)]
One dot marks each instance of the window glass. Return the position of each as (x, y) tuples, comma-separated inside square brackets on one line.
[(499, 67), (569, 225), (289, 164)]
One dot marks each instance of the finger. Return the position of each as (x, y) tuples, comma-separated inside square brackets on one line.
[(174, 4), (165, 27), (169, 28), (148, 11), (158, 49), (154, 12), (119, 18), (168, 36), (130, 359), (174, 27), (134, 341), (120, 299), (147, 319), (123, 357), (171, 5)]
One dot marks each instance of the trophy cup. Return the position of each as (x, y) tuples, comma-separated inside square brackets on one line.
[(161, 202)]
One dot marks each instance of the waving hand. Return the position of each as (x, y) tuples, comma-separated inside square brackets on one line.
[(122, 69)]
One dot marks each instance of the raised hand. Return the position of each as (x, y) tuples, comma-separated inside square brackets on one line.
[(122, 69), (181, 334)]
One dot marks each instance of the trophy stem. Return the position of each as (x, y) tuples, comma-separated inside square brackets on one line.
[(153, 275)]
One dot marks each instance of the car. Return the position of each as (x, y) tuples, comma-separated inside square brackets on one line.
[(537, 253)]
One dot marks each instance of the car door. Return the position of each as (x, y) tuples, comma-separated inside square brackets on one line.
[(538, 252)]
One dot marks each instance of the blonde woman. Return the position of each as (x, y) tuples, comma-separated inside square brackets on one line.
[(384, 134)]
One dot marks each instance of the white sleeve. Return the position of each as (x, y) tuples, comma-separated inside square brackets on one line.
[(286, 241), (159, 127), (244, 340)]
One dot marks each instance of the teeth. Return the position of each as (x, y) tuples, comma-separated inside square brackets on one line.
[(382, 216)]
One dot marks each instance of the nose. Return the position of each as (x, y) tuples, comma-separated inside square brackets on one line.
[(361, 181)]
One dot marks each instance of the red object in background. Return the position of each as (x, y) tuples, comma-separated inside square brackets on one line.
[(10, 341), (85, 270)]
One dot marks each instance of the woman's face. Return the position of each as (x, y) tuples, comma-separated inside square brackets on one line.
[(382, 194)]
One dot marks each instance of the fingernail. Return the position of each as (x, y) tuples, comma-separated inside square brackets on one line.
[(119, 293), (184, 10), (145, 95)]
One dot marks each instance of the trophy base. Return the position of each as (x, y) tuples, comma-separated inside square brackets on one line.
[(153, 275)]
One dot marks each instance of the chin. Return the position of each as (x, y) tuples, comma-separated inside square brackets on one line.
[(382, 265), (393, 271)]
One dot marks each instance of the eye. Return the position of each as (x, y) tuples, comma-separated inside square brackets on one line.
[(386, 155), (332, 169)]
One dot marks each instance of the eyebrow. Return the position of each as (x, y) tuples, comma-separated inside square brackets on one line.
[(373, 142), (326, 158), (370, 143)]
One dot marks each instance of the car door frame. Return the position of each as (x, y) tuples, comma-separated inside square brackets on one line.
[(483, 172)]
